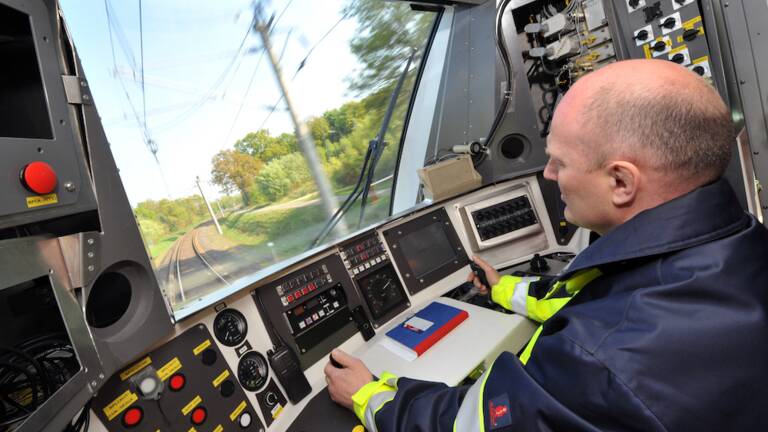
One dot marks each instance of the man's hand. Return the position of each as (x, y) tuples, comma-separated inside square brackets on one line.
[(344, 382), (490, 274)]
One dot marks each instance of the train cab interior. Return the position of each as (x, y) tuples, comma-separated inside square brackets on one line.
[(92, 339)]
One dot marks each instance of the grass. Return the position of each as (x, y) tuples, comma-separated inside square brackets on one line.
[(159, 248), (293, 230)]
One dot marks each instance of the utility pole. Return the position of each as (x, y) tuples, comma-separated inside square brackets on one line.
[(328, 198), (210, 209)]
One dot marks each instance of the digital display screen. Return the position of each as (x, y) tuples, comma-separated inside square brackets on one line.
[(427, 249)]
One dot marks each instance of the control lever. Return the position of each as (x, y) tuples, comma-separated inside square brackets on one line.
[(335, 364), (480, 273)]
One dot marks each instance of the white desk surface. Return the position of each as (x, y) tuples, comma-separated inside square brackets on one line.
[(480, 338)]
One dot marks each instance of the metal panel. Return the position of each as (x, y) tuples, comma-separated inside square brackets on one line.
[(74, 191), (30, 258), (747, 28)]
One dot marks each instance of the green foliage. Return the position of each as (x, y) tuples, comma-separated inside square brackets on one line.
[(265, 147), (233, 170), (283, 176), (342, 120), (386, 34)]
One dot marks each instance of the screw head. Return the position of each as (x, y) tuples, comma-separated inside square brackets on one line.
[(91, 268), (69, 186)]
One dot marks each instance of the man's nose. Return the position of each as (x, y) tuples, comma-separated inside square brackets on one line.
[(549, 171)]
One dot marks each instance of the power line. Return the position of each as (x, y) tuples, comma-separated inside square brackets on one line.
[(303, 62), (141, 47)]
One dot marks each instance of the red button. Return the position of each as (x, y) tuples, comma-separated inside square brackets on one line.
[(289, 298), (177, 382), (39, 178), (199, 415), (132, 416), (305, 290), (297, 294)]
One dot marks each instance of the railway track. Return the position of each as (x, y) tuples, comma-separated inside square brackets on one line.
[(189, 270)]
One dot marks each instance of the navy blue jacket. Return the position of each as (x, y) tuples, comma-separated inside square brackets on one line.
[(672, 337)]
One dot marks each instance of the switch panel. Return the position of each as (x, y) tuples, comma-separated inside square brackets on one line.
[(502, 219)]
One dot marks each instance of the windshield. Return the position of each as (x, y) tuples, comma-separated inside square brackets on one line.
[(226, 175)]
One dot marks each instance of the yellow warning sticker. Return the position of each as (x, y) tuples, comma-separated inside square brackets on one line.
[(276, 411), (200, 348), (119, 405), (240, 408), (700, 60), (222, 376), (218, 428), (131, 371), (42, 200), (678, 49), (191, 405), (691, 22), (169, 369)]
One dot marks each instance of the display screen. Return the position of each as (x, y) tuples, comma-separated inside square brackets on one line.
[(427, 249)]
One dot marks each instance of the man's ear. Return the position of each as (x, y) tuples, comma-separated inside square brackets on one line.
[(625, 180)]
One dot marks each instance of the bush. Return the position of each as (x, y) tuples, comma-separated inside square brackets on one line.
[(282, 177)]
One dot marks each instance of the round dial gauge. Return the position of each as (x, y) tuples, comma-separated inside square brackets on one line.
[(252, 371), (230, 327), (382, 293)]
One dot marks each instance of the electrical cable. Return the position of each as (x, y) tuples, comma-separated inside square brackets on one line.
[(502, 48)]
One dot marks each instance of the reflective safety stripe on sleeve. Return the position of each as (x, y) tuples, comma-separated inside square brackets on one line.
[(521, 293), (372, 397), (469, 418)]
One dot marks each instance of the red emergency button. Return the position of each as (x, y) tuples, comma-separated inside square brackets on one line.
[(177, 382), (132, 416), (198, 415), (39, 178)]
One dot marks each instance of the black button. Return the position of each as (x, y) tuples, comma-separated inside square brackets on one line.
[(660, 46), (678, 58), (227, 388), (699, 70), (209, 357), (642, 35)]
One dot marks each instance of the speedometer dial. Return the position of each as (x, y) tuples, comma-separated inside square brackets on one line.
[(230, 327), (252, 371)]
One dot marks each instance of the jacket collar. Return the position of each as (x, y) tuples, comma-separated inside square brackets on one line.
[(700, 216)]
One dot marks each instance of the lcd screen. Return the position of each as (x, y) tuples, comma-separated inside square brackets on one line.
[(427, 249)]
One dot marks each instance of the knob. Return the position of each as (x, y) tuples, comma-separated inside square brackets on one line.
[(690, 34), (678, 58), (539, 264), (642, 35), (634, 3), (271, 398), (700, 70), (669, 23), (659, 46)]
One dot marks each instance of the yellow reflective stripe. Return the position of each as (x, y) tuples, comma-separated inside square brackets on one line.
[(526, 355), (575, 283), (502, 292), (480, 400), (360, 400), (542, 310)]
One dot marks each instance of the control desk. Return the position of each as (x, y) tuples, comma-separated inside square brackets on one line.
[(254, 361)]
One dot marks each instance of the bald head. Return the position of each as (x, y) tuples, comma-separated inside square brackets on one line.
[(656, 114)]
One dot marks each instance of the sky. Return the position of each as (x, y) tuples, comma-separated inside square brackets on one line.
[(188, 47)]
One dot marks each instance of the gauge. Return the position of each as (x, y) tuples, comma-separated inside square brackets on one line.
[(230, 327), (382, 291), (252, 371)]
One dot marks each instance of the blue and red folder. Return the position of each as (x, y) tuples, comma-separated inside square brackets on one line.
[(419, 332)]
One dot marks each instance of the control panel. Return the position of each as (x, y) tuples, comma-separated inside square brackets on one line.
[(44, 173), (184, 385), (368, 264), (501, 219), (310, 308), (666, 29)]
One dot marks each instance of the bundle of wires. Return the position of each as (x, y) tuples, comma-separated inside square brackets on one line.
[(30, 373)]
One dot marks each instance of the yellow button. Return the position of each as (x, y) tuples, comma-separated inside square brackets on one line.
[(358, 428)]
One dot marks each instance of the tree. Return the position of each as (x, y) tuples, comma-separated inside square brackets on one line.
[(343, 119), (233, 170), (387, 32), (264, 146)]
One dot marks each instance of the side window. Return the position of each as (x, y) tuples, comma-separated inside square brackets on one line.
[(221, 184)]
